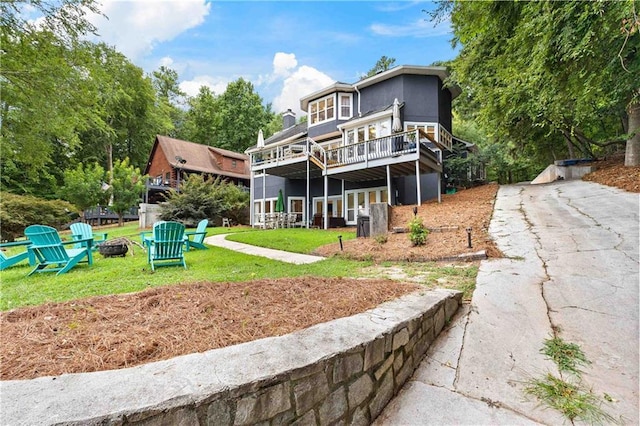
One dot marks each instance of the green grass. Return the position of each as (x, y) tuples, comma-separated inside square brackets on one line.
[(570, 395), (132, 273), (296, 240)]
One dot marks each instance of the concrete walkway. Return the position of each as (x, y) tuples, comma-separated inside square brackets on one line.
[(571, 266), (283, 256)]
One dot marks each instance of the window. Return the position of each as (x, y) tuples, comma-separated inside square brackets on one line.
[(233, 164), (322, 110), (345, 106)]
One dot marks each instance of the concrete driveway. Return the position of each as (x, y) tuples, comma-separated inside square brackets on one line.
[(571, 266)]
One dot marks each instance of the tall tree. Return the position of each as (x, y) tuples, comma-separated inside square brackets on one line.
[(46, 97), (239, 113), (200, 118), (562, 73), (383, 64), (171, 98)]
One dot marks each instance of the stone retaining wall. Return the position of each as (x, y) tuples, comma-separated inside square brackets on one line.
[(344, 371)]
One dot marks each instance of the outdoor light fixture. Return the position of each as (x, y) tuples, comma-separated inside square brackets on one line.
[(415, 211), (340, 239), (469, 237)]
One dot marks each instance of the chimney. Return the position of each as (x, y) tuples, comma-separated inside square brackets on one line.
[(288, 119)]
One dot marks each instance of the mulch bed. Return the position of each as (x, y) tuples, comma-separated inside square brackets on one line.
[(111, 332)]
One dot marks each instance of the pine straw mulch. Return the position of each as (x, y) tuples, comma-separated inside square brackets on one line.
[(118, 331), (448, 238), (612, 172)]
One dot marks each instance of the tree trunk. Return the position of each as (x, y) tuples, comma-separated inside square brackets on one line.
[(632, 153)]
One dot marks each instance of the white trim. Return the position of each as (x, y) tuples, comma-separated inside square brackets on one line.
[(365, 120), (345, 117), (310, 122)]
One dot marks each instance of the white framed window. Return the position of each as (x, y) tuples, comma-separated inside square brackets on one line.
[(334, 206), (322, 110), (346, 102), (296, 205)]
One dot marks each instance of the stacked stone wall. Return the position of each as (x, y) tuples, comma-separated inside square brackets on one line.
[(349, 386)]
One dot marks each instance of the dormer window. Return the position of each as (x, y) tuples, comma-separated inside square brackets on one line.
[(322, 110)]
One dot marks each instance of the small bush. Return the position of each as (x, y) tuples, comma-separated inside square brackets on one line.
[(19, 211), (381, 239), (417, 232)]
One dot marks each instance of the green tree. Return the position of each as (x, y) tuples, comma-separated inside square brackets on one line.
[(83, 186), (383, 64), (238, 114), (549, 78), (46, 99), (127, 187), (170, 97), (200, 118)]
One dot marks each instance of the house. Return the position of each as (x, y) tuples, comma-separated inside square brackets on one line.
[(172, 159), (379, 140)]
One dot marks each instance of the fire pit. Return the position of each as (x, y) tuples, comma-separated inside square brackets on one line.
[(115, 247)]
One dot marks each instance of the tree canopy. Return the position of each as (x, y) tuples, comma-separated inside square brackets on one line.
[(549, 79)]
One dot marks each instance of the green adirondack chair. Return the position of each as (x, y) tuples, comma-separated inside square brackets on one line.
[(8, 261), (166, 247), (195, 239), (84, 231), (48, 250)]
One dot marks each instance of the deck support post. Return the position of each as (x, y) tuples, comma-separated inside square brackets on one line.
[(308, 201), (252, 195), (325, 208), (418, 189), (388, 185)]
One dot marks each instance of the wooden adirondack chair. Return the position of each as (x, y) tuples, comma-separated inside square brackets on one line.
[(195, 239), (166, 247), (84, 231), (48, 249)]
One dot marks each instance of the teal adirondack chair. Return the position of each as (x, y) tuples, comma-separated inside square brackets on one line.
[(195, 239), (84, 231), (48, 250), (166, 247), (8, 261)]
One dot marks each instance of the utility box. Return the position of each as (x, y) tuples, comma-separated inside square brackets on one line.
[(363, 227), (380, 214)]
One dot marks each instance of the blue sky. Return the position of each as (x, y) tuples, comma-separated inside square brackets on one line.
[(287, 49)]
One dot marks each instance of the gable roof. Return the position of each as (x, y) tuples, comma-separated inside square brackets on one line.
[(199, 158)]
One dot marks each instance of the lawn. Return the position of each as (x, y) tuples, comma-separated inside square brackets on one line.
[(132, 273)]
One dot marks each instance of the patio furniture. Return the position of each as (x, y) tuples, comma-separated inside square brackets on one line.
[(83, 231), (195, 239), (6, 261), (48, 250), (166, 246), (226, 222)]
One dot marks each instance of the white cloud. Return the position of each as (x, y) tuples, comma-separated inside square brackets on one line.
[(283, 63), (135, 27), (303, 81), (192, 87), (420, 28)]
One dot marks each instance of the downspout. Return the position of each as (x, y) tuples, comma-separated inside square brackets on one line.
[(355, 86)]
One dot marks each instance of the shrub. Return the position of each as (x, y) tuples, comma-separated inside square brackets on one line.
[(417, 232), (201, 198), (381, 239), (19, 211)]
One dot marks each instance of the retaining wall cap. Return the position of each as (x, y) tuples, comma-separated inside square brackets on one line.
[(190, 378)]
